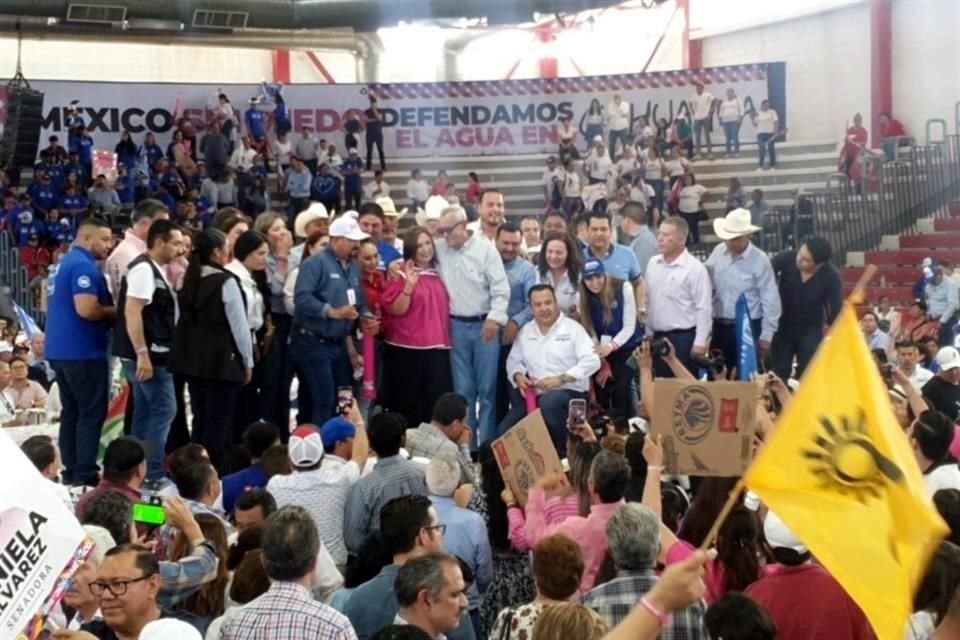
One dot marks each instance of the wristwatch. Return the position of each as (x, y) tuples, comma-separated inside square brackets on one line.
[(566, 378)]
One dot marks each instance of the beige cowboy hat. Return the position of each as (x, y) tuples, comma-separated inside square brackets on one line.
[(315, 211), (432, 210), (734, 225), (389, 208)]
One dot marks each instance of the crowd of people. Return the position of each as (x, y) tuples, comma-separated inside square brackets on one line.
[(315, 393)]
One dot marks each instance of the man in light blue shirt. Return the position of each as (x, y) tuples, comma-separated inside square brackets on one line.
[(473, 273), (618, 261), (942, 304), (876, 338), (522, 276), (297, 181), (738, 268), (636, 231), (466, 533)]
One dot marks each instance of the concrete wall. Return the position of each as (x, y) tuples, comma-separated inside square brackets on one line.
[(828, 66), (926, 62)]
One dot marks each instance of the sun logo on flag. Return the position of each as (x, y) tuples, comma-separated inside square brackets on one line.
[(846, 460)]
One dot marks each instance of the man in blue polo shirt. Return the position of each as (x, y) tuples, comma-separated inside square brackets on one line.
[(328, 301), (618, 261), (83, 145), (73, 203), (371, 222), (79, 314), (43, 195), (352, 170)]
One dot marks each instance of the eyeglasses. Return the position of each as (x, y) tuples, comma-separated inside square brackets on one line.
[(442, 528), (117, 588)]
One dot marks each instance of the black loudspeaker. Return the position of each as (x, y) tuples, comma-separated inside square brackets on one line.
[(21, 132)]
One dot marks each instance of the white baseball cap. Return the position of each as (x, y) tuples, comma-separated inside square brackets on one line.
[(779, 535), (169, 628), (346, 226), (948, 358), (305, 446)]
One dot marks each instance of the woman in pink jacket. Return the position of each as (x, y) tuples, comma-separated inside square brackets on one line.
[(416, 353)]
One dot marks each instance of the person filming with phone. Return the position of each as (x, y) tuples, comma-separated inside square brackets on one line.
[(552, 357)]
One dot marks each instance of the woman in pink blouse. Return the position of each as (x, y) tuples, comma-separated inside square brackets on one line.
[(416, 353)]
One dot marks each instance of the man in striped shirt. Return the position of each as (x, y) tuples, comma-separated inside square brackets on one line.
[(472, 270), (392, 477)]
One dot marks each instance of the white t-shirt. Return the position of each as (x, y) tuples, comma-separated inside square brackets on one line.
[(373, 190), (675, 166), (571, 185), (701, 105), (643, 194), (618, 115), (142, 283), (689, 201), (627, 165), (282, 151), (767, 121), (600, 166), (548, 177), (731, 110), (920, 377), (946, 476), (418, 190)]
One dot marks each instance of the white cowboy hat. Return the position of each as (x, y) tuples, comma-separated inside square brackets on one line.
[(734, 225), (315, 211), (389, 208), (432, 210)]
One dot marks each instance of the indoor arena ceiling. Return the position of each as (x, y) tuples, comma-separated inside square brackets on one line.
[(141, 16)]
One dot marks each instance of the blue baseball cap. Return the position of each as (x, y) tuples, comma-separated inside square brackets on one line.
[(592, 268), (336, 429)]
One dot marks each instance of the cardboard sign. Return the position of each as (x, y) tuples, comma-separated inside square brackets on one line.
[(526, 453), (41, 544), (707, 427)]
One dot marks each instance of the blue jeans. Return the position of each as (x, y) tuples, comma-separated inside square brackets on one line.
[(731, 131), (554, 406), (617, 134), (474, 365), (154, 408), (84, 393), (764, 143), (325, 366), (702, 127)]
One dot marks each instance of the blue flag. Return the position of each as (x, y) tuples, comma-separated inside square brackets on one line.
[(28, 324), (746, 347)]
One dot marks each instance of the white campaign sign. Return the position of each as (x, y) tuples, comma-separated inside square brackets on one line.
[(39, 537), (430, 119)]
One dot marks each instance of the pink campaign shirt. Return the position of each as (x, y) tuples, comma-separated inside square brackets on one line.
[(426, 324), (116, 265), (590, 532), (555, 511)]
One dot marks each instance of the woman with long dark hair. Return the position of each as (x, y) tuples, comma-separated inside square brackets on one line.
[(512, 580), (126, 151), (594, 120), (212, 347), (416, 351), (277, 363), (608, 311), (559, 266), (690, 206), (250, 267)]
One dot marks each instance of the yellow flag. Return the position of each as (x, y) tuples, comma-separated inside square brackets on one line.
[(840, 473)]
